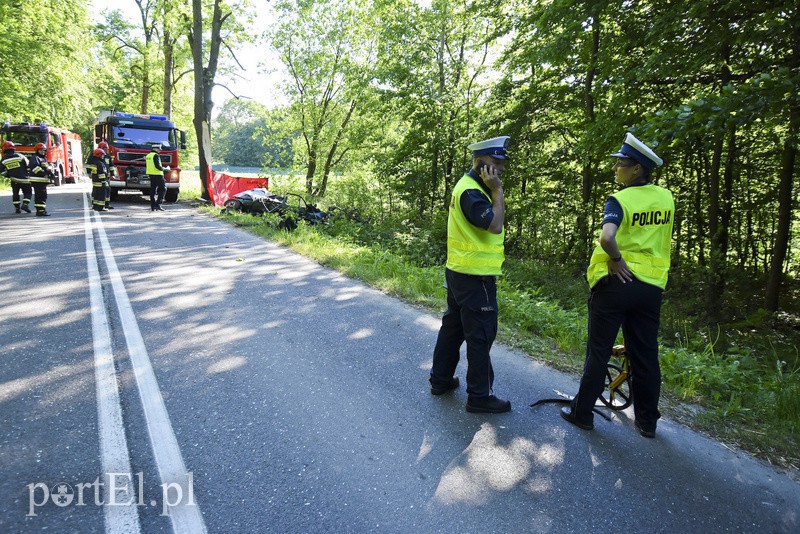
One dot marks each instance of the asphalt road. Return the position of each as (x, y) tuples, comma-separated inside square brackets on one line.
[(225, 384)]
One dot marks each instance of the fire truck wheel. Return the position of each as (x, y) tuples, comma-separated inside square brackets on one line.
[(171, 195), (57, 180), (114, 194)]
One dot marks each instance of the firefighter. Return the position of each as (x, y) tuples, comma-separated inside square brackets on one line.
[(96, 167), (15, 166), (111, 171), (158, 186), (40, 175)]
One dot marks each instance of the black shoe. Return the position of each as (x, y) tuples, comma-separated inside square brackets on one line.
[(109, 207), (17, 211), (441, 390), (42, 214), (567, 415), (490, 404), (646, 433), (26, 209)]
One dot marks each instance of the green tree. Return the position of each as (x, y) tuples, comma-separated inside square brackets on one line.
[(45, 48), (430, 62), (207, 39), (328, 48)]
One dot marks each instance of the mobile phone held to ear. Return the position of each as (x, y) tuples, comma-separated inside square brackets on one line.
[(485, 166)]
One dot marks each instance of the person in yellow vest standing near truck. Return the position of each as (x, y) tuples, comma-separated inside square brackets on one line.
[(627, 275), (155, 171), (475, 254)]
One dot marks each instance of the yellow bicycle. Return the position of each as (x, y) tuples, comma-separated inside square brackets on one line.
[(617, 393)]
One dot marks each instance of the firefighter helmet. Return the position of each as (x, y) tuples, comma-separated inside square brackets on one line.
[(39, 146), (99, 152), (8, 145), (103, 145)]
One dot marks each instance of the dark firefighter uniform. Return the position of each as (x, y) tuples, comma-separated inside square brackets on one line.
[(158, 186), (642, 216), (96, 167), (40, 175), (15, 166), (474, 259), (111, 170)]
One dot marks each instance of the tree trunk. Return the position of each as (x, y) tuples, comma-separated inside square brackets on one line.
[(784, 211), (582, 230), (716, 276), (203, 84), (785, 191), (311, 168), (329, 161), (169, 66), (718, 232)]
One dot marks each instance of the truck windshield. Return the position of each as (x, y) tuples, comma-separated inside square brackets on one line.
[(129, 135), (25, 138)]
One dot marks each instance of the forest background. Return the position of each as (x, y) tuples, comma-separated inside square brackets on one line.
[(380, 98)]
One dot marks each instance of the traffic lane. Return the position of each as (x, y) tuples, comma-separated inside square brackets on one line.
[(299, 397), (48, 413)]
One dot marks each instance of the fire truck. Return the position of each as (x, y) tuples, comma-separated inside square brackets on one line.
[(63, 148), (130, 137)]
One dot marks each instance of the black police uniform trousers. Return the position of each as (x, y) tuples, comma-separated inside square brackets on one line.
[(158, 188), (25, 188), (471, 316), (636, 307)]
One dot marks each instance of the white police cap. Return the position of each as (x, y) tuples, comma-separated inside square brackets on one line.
[(495, 147), (632, 148)]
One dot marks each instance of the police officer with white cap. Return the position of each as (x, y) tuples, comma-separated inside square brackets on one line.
[(155, 171), (627, 274), (475, 256)]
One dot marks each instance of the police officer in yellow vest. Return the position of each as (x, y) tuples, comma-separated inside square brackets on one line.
[(155, 171), (627, 274), (475, 256)]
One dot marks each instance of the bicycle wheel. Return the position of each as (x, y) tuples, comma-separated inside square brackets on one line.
[(620, 397)]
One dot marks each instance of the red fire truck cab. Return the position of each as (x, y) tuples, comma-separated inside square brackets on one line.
[(130, 137), (63, 148)]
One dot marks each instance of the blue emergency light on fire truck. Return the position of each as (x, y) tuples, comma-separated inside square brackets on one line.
[(130, 136)]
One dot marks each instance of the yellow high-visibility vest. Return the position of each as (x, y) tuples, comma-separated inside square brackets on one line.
[(471, 250), (151, 164), (644, 237)]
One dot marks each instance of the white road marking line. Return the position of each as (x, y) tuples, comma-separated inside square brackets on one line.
[(185, 516), (119, 518)]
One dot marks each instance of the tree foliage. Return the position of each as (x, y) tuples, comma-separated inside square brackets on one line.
[(45, 62), (247, 134), (328, 48)]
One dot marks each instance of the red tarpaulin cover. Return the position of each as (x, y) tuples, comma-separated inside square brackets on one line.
[(222, 186)]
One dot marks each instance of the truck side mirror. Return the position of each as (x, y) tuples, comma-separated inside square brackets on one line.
[(183, 140)]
